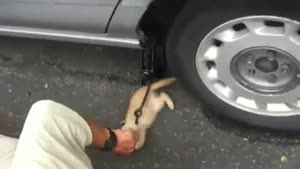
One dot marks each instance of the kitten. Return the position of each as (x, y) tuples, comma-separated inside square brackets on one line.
[(154, 103)]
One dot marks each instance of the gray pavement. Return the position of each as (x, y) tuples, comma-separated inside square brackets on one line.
[(98, 82)]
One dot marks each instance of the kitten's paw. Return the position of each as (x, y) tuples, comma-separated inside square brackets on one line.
[(167, 100), (139, 145), (123, 122), (171, 105)]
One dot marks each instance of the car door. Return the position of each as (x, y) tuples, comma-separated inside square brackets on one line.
[(89, 16)]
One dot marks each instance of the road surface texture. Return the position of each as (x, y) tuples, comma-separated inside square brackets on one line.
[(98, 81)]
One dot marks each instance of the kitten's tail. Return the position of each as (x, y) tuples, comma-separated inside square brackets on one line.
[(162, 83)]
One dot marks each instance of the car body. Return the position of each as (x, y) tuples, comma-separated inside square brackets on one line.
[(105, 22)]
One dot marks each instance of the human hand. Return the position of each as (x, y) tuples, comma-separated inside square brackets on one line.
[(126, 142)]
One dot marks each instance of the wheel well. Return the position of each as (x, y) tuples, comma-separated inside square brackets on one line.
[(160, 14), (158, 18)]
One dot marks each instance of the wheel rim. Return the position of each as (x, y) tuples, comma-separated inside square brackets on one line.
[(252, 63)]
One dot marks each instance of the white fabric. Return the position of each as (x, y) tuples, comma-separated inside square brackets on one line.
[(7, 150), (53, 137)]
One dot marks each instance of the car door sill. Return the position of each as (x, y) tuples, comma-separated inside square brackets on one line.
[(69, 36)]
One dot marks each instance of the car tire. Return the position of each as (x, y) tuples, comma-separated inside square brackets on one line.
[(187, 33)]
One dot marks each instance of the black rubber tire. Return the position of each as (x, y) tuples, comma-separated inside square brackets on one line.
[(183, 39)]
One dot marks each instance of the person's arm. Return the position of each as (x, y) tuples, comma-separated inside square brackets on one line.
[(126, 139)]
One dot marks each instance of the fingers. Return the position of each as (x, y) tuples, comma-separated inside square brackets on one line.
[(126, 142), (135, 136), (132, 136), (126, 153)]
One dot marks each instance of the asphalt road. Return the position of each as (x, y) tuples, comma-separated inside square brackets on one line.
[(98, 82)]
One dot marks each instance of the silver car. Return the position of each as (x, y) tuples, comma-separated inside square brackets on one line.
[(239, 57)]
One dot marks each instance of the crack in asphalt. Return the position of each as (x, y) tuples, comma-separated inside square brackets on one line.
[(104, 76), (4, 58)]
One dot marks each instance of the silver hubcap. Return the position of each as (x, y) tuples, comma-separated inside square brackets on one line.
[(265, 70), (253, 64)]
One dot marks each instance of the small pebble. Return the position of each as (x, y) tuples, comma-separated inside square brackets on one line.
[(11, 115), (46, 86), (284, 159), (28, 93), (9, 90)]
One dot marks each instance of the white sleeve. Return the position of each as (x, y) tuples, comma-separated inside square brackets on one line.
[(7, 150), (53, 137)]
